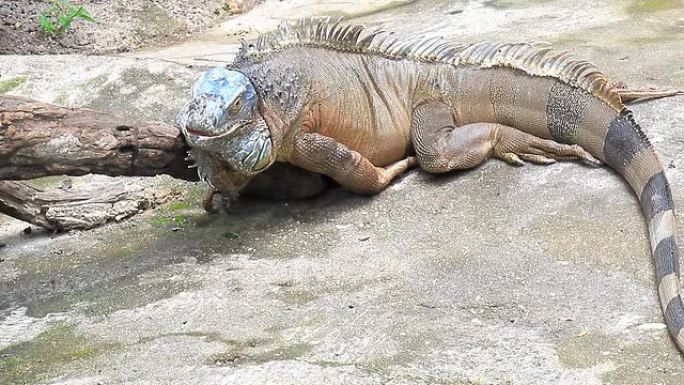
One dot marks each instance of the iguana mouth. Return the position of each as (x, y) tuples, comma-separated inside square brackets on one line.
[(192, 132), (210, 135)]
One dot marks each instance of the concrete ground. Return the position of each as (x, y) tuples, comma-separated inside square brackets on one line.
[(499, 275)]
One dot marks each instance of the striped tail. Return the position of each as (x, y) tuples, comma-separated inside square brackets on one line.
[(548, 93), (627, 150)]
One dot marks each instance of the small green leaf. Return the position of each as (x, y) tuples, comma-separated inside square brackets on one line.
[(59, 16), (46, 25), (231, 235), (83, 14), (64, 22), (44, 22)]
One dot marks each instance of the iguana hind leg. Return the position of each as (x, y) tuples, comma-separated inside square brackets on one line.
[(318, 153), (441, 147)]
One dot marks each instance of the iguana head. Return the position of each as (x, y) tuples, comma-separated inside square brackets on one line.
[(222, 118)]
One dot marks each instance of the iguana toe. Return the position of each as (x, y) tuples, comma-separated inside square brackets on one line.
[(512, 159), (538, 159)]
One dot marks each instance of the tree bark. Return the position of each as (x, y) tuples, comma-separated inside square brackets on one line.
[(69, 209), (39, 139)]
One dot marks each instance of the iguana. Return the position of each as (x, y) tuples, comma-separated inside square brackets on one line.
[(363, 106)]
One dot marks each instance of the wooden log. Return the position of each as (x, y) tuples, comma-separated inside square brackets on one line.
[(84, 208), (39, 139)]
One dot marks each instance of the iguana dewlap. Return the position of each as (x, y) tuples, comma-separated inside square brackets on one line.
[(363, 106)]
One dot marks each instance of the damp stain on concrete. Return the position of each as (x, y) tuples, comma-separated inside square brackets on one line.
[(251, 355), (59, 346), (302, 293)]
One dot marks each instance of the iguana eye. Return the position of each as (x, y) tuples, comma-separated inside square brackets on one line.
[(235, 107)]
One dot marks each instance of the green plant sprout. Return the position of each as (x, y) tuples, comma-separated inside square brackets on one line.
[(57, 18)]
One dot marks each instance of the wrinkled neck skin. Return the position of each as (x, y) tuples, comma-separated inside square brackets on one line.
[(282, 98), (218, 173)]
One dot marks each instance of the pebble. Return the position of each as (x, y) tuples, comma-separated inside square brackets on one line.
[(652, 326)]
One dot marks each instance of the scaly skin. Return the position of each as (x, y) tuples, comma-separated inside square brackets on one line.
[(364, 107), (363, 139)]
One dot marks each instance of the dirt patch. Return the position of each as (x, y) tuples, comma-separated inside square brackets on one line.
[(120, 25)]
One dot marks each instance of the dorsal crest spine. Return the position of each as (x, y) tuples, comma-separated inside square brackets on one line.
[(334, 35)]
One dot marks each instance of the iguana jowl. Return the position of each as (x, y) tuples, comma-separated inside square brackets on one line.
[(364, 106)]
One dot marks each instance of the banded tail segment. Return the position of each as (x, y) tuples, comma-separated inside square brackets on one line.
[(627, 150)]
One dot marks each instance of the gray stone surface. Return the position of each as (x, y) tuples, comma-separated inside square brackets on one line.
[(498, 275)]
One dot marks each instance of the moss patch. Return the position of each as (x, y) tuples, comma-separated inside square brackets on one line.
[(12, 83), (293, 293), (36, 359), (178, 213), (175, 214), (98, 278), (48, 181), (647, 6), (178, 205), (165, 220), (120, 247)]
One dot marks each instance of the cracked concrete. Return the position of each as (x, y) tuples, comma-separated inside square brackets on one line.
[(498, 275)]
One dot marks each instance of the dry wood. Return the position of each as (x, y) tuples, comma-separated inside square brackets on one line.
[(58, 209), (39, 139)]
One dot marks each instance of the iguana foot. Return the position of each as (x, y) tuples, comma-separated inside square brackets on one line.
[(514, 146), (209, 204), (217, 201)]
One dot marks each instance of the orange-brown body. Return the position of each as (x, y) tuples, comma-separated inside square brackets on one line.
[(363, 107)]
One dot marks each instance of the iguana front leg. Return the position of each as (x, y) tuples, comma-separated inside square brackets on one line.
[(318, 153), (221, 179), (441, 147)]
